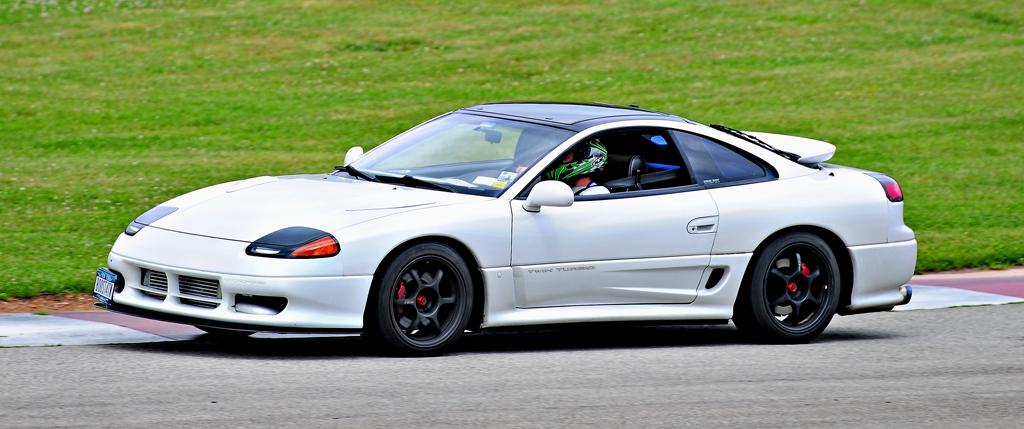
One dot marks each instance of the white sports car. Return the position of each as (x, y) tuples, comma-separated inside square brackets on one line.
[(516, 214)]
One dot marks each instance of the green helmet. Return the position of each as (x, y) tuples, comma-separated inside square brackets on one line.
[(587, 159)]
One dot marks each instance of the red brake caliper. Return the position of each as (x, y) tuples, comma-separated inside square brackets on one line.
[(401, 295), (806, 272), (791, 286)]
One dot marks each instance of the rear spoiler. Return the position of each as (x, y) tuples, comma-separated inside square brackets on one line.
[(811, 152)]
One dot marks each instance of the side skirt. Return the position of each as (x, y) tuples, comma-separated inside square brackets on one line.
[(714, 303)]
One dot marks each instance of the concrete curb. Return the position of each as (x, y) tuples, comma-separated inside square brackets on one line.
[(24, 329), (933, 297)]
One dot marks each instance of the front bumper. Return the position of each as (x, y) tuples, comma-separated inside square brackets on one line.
[(314, 304)]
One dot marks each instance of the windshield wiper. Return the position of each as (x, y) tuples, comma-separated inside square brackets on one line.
[(415, 182), (788, 155), (355, 172)]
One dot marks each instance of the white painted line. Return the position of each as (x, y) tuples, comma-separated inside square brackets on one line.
[(23, 329), (930, 297)]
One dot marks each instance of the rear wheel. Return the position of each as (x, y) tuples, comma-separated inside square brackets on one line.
[(793, 290), (423, 301)]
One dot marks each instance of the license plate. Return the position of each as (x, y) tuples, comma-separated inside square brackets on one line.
[(103, 291)]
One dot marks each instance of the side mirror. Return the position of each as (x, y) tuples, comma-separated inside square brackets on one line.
[(353, 154), (551, 193)]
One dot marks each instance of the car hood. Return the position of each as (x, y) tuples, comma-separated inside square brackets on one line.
[(249, 209)]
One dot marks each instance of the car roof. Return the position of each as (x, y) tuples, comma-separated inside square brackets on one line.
[(575, 116)]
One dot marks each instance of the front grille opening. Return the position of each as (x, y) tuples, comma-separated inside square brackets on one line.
[(198, 303), (154, 280), (200, 288), (154, 284), (259, 304)]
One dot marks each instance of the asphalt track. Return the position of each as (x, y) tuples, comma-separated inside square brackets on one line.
[(952, 367)]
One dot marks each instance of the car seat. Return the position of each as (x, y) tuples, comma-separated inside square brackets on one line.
[(634, 168)]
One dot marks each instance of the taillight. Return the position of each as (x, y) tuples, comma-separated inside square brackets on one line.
[(892, 189)]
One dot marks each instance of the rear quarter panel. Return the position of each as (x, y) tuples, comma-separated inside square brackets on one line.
[(848, 203)]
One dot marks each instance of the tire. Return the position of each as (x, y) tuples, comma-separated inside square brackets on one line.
[(792, 293), (422, 303), (224, 333)]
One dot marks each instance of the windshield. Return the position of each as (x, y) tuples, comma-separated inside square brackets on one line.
[(466, 153)]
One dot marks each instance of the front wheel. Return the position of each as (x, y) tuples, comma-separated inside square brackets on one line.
[(793, 290), (423, 301)]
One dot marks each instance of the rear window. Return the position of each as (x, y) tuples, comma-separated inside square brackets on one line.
[(714, 163)]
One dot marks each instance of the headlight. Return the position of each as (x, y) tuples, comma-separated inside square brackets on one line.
[(295, 242), (154, 214)]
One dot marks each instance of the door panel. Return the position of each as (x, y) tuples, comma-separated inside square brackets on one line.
[(612, 251)]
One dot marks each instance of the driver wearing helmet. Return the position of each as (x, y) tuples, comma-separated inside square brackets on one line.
[(580, 165)]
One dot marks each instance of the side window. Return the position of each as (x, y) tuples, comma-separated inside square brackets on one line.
[(635, 159), (714, 163)]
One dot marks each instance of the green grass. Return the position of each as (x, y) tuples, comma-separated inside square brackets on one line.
[(108, 107)]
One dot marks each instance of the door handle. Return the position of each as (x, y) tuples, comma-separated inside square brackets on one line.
[(703, 225)]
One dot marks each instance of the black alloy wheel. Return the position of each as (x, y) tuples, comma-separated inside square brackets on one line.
[(423, 301), (793, 291)]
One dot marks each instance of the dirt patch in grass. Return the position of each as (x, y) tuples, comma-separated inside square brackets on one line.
[(49, 304)]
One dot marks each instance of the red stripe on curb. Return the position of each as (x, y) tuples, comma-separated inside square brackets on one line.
[(169, 330), (1008, 285)]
